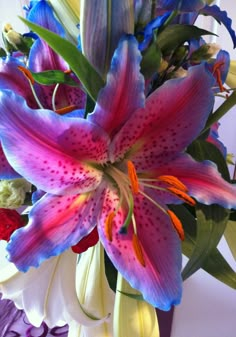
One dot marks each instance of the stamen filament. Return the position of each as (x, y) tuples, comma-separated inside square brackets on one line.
[(30, 78), (54, 96), (152, 201), (138, 250)]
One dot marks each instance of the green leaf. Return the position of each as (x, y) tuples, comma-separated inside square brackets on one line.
[(54, 77), (88, 76), (133, 296), (174, 36), (221, 111), (2, 53), (151, 60), (202, 150), (211, 224), (215, 264), (230, 236)]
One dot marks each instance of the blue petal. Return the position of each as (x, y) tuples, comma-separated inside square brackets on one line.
[(151, 26), (221, 17), (41, 13)]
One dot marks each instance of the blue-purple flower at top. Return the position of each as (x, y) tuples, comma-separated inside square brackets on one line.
[(118, 171)]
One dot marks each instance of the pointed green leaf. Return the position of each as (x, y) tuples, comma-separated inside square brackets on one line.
[(202, 150), (88, 76), (221, 111), (174, 36), (215, 264), (2, 53), (54, 77), (230, 236), (211, 224)]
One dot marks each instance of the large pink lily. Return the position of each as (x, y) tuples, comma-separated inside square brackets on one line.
[(117, 171)]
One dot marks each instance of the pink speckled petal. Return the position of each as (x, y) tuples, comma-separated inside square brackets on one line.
[(160, 280), (124, 91), (55, 224), (6, 171), (59, 151), (174, 115), (203, 180), (13, 79)]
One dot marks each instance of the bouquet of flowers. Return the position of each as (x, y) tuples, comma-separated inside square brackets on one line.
[(109, 143)]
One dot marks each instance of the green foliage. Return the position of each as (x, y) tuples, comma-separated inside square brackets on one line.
[(203, 150), (54, 77), (174, 36), (88, 76), (214, 263)]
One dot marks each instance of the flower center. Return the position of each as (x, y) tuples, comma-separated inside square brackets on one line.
[(129, 184)]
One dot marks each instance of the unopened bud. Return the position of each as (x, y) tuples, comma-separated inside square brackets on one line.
[(205, 52)]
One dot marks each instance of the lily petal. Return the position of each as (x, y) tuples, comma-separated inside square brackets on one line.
[(12, 78), (141, 320), (160, 248), (173, 117), (115, 102), (48, 293), (42, 58), (202, 179), (113, 19), (55, 224), (183, 6), (56, 149), (6, 171)]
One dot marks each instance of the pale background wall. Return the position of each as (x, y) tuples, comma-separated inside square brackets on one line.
[(208, 307)]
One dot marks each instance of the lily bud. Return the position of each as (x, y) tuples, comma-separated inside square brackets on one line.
[(13, 192), (13, 40), (141, 319), (113, 19), (231, 77), (68, 12), (205, 52)]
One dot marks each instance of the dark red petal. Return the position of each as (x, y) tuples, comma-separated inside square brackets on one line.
[(10, 220), (88, 241)]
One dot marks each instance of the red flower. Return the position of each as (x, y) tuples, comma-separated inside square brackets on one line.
[(10, 221)]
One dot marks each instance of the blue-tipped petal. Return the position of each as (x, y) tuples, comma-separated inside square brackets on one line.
[(151, 26), (221, 17), (41, 14), (55, 224), (124, 91)]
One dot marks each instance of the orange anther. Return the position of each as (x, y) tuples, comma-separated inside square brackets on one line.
[(67, 71), (27, 74), (177, 224), (182, 195), (133, 177), (138, 250), (173, 181), (65, 110), (108, 225)]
